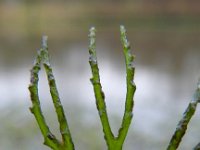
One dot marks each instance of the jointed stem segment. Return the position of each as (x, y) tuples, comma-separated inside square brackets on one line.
[(183, 123), (113, 143), (100, 102), (49, 139)]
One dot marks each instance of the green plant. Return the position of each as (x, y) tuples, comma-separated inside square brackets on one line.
[(183, 123), (49, 139), (113, 143)]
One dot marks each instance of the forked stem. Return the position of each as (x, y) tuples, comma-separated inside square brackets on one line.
[(49, 139), (113, 143)]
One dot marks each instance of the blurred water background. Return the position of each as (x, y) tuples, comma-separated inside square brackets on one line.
[(165, 37)]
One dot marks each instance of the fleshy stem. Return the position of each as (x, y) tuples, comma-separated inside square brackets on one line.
[(100, 102), (113, 143), (182, 125), (131, 87), (49, 139)]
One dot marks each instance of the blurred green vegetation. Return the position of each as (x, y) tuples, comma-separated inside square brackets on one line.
[(61, 18)]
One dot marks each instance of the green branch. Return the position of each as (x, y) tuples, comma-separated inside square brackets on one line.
[(130, 71), (99, 95), (183, 123), (113, 143), (50, 139)]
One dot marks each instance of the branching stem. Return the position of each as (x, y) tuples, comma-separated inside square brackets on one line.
[(49, 139), (113, 143)]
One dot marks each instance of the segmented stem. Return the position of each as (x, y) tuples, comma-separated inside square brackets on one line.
[(50, 139), (183, 123)]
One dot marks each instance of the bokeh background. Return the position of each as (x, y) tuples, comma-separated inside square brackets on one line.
[(165, 37)]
